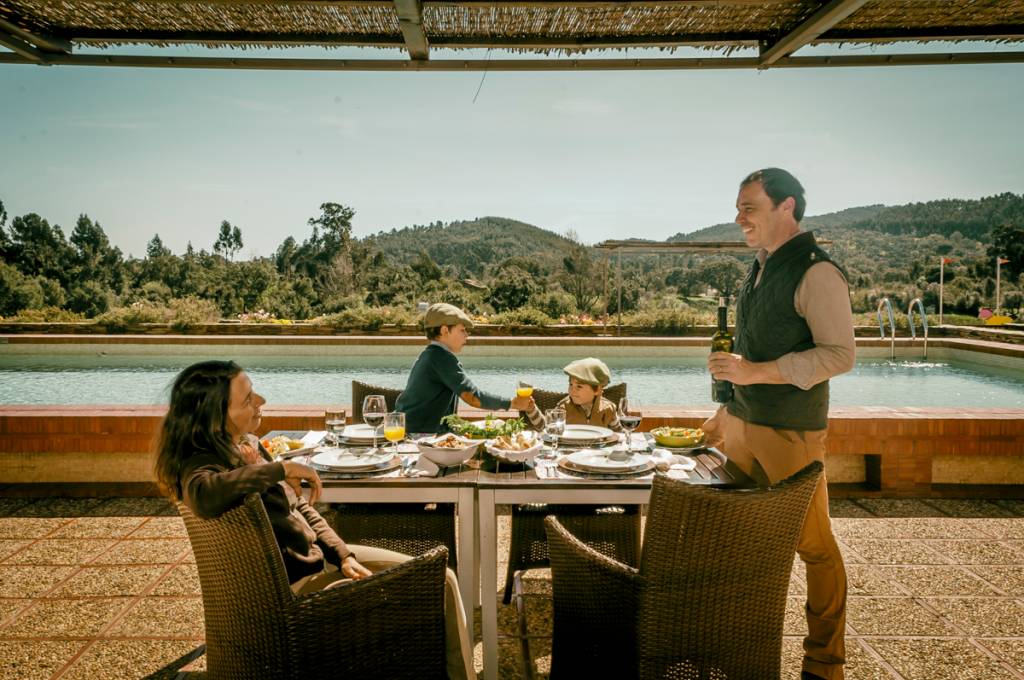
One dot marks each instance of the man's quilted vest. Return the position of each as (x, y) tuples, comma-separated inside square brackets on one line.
[(767, 326)]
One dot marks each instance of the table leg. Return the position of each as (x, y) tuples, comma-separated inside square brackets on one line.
[(469, 574), (489, 581)]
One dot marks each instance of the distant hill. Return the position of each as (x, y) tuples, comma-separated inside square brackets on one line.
[(972, 218), (731, 232), (470, 246)]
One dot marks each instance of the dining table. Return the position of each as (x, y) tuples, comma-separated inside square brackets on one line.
[(481, 484)]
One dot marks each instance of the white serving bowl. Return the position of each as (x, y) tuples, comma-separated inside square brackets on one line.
[(444, 456), (524, 456)]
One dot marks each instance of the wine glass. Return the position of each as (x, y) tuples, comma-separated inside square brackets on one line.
[(335, 419), (629, 419), (394, 428), (554, 425), (374, 410)]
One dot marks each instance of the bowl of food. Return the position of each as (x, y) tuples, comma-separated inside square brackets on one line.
[(282, 444), (678, 437), (520, 447), (447, 449)]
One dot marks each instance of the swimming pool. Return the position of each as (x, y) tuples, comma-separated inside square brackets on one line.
[(84, 373)]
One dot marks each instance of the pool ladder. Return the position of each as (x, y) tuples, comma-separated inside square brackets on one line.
[(884, 302), (924, 322)]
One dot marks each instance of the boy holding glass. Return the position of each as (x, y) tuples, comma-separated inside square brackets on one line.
[(585, 404), (437, 380)]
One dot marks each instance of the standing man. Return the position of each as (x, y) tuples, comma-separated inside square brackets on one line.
[(794, 331), (438, 381)]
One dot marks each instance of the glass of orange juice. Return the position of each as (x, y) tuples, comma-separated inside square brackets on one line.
[(394, 428), (524, 389)]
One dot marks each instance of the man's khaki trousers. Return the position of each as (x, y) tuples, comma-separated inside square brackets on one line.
[(769, 456)]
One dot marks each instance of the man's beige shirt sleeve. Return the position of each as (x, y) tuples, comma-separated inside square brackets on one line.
[(823, 300)]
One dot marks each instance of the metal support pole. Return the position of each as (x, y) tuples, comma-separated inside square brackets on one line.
[(618, 278)]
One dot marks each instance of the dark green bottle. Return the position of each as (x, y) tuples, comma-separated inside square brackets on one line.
[(721, 341)]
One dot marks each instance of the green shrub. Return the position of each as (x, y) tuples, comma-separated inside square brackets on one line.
[(137, 312), (368, 318), (554, 303), (46, 315), (668, 321), (192, 311), (524, 316)]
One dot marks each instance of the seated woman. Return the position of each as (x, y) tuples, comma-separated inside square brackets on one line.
[(209, 457)]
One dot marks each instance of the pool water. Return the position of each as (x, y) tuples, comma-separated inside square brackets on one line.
[(684, 381)]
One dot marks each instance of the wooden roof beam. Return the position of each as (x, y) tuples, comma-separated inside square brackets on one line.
[(827, 16), (410, 20), (22, 48), (449, 65), (42, 42)]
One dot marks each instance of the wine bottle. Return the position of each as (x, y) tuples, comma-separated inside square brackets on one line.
[(721, 341)]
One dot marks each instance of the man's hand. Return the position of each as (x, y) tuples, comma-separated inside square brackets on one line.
[(351, 568), (739, 371), (294, 473), (521, 403)]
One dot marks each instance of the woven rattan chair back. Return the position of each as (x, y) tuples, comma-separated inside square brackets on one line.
[(546, 399), (245, 591), (256, 627), (360, 390), (715, 568)]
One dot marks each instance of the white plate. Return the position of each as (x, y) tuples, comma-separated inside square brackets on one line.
[(345, 460), (598, 461), (586, 433)]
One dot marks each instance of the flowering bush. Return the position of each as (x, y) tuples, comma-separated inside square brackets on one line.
[(259, 316), (582, 319)]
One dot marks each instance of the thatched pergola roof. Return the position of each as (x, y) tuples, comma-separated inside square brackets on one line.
[(46, 32)]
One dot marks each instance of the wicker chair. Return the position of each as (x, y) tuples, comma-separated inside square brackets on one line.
[(612, 530), (547, 399), (257, 628), (403, 527), (708, 600)]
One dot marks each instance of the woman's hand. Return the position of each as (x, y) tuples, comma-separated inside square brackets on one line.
[(294, 473), (351, 568)]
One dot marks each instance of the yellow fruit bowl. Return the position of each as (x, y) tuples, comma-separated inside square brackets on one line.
[(678, 437)]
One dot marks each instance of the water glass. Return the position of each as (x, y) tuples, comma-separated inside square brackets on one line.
[(629, 419), (335, 419), (554, 425)]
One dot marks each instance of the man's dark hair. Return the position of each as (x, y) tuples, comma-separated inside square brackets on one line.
[(779, 185)]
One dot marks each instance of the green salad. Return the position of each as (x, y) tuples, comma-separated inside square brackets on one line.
[(490, 428)]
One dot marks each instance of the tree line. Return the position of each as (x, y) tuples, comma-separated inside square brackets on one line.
[(491, 266)]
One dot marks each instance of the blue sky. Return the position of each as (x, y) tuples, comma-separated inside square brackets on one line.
[(609, 154)]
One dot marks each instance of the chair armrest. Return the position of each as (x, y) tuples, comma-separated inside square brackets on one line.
[(332, 632), (595, 601)]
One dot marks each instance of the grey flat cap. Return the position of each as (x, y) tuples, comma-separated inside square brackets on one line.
[(590, 371), (444, 314)]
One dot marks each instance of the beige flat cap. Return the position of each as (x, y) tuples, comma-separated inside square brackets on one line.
[(444, 314), (590, 371)]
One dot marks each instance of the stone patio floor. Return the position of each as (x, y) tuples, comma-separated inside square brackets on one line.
[(107, 588)]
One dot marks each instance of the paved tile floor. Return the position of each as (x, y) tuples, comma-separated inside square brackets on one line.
[(107, 588)]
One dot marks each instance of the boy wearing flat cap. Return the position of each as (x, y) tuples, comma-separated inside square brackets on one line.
[(585, 404), (438, 381)]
